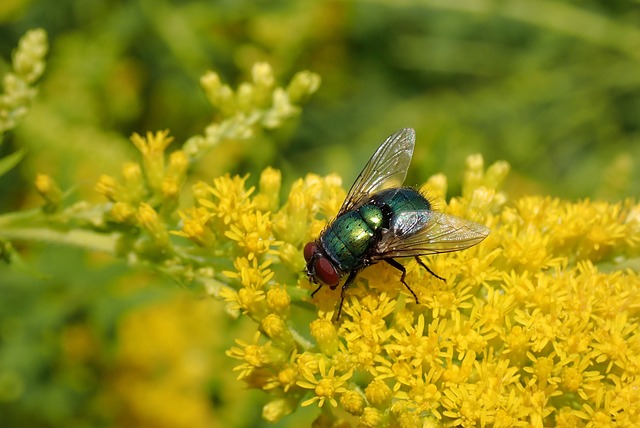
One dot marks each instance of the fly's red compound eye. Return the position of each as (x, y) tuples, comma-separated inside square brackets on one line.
[(309, 250), (326, 272)]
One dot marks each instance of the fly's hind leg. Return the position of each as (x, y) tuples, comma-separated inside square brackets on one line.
[(429, 270), (402, 269)]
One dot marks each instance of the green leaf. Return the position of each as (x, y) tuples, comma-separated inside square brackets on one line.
[(8, 162)]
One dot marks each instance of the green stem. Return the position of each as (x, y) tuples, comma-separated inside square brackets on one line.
[(6, 220), (85, 239)]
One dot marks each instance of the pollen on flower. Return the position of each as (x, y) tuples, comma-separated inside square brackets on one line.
[(401, 371), (309, 362), (571, 379), (424, 395)]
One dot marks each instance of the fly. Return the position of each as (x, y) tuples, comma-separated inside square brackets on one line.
[(380, 221)]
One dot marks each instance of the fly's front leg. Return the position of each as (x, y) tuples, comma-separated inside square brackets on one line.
[(347, 283), (316, 290), (402, 269)]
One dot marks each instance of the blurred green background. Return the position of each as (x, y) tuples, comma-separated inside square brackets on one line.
[(553, 87)]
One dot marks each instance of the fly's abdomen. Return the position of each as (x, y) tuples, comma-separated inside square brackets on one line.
[(350, 237)]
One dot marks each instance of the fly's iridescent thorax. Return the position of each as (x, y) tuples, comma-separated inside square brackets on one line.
[(345, 243), (349, 238), (398, 201)]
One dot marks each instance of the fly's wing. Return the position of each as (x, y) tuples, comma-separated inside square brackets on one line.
[(387, 168), (416, 233)]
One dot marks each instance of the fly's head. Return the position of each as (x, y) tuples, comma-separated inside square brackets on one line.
[(319, 268)]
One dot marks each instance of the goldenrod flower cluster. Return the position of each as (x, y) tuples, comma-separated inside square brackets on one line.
[(536, 326), (19, 85)]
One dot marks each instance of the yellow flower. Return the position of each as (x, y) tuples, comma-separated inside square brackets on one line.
[(378, 393), (367, 318), (232, 199), (153, 148), (278, 300), (274, 327), (327, 388), (252, 233), (254, 355), (536, 326), (410, 344), (195, 226), (250, 273), (325, 334), (424, 396), (153, 224), (277, 409), (268, 196), (153, 144), (122, 212), (133, 189), (352, 402), (286, 377), (371, 417), (107, 186), (49, 190)]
